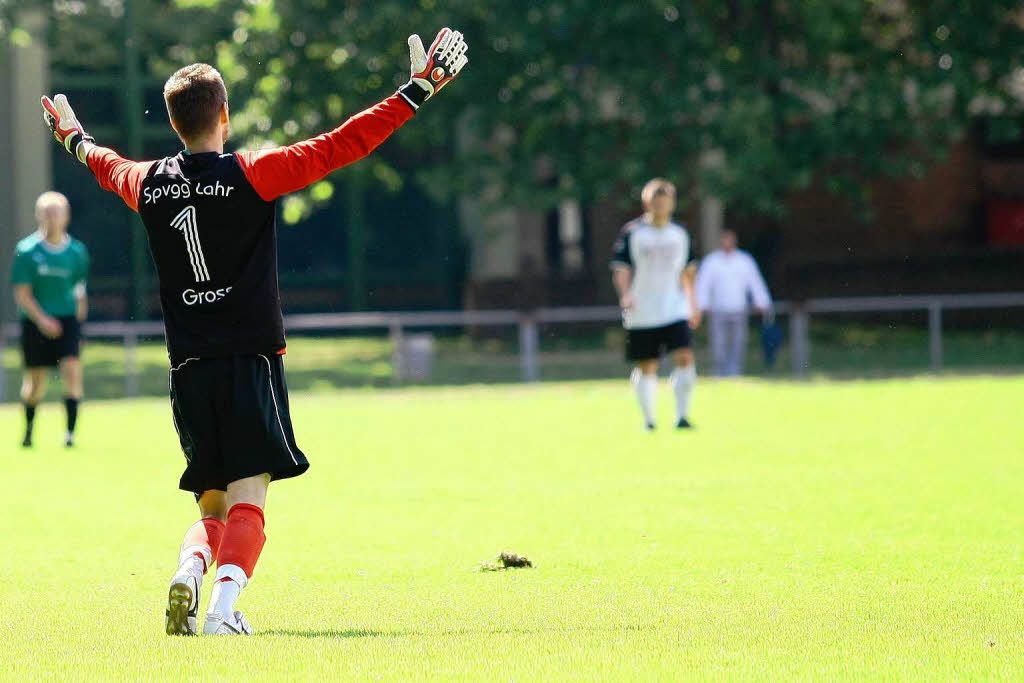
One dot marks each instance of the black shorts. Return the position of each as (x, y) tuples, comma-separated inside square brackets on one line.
[(651, 343), (233, 421), (42, 352)]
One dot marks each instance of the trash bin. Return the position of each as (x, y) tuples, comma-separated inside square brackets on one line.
[(414, 358)]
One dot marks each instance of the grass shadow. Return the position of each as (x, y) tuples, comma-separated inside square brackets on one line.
[(334, 634), (342, 634)]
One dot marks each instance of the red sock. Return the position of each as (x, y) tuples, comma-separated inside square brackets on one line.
[(214, 534), (243, 538), (206, 534)]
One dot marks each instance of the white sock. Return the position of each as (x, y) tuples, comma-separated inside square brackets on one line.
[(231, 579), (195, 558), (646, 388), (683, 381), (191, 564)]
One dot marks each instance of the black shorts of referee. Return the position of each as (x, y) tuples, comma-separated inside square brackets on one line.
[(39, 351)]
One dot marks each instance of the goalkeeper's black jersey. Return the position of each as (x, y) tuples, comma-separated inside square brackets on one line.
[(211, 223), (214, 243)]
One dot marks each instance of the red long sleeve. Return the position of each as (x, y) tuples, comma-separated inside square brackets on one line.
[(276, 172), (119, 175)]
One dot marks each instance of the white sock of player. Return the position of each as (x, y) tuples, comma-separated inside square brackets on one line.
[(646, 387), (231, 579), (190, 563), (683, 381)]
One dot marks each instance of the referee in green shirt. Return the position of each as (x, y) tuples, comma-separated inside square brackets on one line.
[(48, 277)]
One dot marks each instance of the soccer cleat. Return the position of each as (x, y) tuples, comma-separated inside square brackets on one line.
[(183, 605), (69, 441), (683, 424), (649, 426), (27, 441), (216, 625)]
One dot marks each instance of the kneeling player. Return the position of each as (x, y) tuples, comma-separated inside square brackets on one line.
[(210, 219), (655, 287), (48, 276)]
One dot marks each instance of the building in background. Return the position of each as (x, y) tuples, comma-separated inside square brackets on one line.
[(958, 228)]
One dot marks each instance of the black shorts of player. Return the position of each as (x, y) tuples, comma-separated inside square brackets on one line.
[(42, 352), (233, 421), (651, 343)]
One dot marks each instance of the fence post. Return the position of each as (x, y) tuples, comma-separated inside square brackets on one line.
[(935, 333), (3, 366), (528, 345), (799, 339), (131, 362), (395, 335)]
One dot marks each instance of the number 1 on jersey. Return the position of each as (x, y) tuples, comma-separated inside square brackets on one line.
[(188, 225)]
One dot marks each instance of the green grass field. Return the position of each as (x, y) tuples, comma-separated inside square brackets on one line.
[(816, 531)]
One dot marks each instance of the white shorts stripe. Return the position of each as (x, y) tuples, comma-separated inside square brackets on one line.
[(284, 434), (170, 388)]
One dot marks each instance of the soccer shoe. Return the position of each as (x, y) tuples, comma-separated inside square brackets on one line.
[(69, 441), (216, 625), (27, 441), (683, 424), (649, 426), (183, 604)]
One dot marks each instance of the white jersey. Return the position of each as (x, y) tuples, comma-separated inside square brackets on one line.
[(727, 282), (657, 257)]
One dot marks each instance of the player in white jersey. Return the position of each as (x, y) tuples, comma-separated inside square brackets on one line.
[(655, 285)]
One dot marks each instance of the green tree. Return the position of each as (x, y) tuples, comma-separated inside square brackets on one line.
[(579, 98)]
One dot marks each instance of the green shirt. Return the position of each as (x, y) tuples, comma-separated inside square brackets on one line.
[(54, 273)]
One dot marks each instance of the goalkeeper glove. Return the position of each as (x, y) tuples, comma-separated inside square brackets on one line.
[(61, 119), (433, 70)]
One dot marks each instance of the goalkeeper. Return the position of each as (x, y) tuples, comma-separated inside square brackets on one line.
[(210, 220)]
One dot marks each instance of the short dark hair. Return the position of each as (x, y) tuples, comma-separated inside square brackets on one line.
[(194, 96)]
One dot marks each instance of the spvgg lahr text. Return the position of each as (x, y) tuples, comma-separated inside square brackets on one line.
[(152, 195)]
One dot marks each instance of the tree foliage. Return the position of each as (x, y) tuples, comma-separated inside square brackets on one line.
[(577, 98)]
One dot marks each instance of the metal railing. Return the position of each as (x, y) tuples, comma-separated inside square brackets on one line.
[(528, 324), (800, 316)]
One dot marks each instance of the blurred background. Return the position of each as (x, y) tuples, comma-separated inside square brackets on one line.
[(869, 153)]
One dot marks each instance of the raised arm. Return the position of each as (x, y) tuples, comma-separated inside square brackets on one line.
[(113, 172), (117, 174), (277, 172)]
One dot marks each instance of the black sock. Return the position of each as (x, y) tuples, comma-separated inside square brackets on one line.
[(30, 417), (71, 405)]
